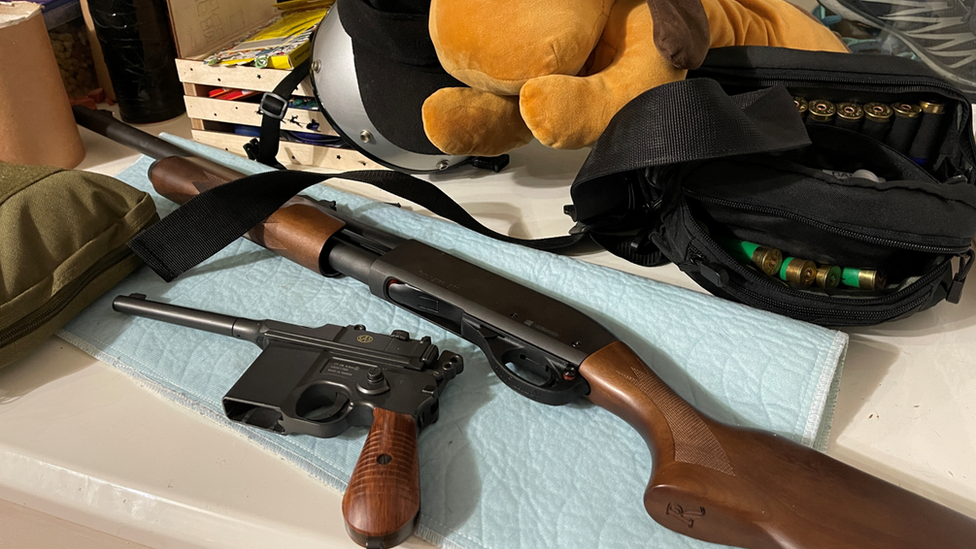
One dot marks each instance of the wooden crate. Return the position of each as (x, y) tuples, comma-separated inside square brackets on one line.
[(201, 27), (213, 120)]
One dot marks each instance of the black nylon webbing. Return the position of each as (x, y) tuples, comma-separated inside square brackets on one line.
[(680, 122), (215, 218), (693, 120), (271, 126)]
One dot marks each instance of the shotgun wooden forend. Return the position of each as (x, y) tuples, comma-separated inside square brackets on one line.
[(180, 178), (753, 489), (297, 231), (382, 501)]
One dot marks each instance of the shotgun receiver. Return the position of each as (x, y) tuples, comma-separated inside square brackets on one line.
[(710, 481)]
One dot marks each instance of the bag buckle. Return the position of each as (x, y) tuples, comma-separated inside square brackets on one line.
[(273, 105), (955, 289)]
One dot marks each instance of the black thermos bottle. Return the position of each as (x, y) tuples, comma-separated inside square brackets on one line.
[(140, 55)]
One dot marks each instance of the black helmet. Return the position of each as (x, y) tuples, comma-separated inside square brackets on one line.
[(373, 66)]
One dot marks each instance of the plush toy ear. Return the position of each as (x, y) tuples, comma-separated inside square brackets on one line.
[(680, 31)]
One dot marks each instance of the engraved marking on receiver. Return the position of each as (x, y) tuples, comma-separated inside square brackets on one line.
[(365, 338)]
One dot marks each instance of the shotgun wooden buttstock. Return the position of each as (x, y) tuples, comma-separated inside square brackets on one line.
[(753, 489), (297, 231), (382, 501)]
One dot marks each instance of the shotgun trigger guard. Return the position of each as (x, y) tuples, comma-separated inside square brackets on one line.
[(524, 368)]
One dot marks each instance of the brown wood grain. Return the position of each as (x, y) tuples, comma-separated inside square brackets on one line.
[(753, 489), (382, 501)]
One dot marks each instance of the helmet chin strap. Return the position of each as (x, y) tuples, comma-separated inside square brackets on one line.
[(273, 107)]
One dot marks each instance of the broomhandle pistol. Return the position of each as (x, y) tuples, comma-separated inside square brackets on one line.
[(381, 504)]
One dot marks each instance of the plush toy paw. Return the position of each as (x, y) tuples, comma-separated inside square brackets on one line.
[(571, 112), (465, 121)]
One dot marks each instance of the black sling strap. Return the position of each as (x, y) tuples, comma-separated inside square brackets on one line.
[(643, 134)]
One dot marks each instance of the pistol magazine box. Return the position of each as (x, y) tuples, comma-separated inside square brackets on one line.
[(834, 188), (222, 95)]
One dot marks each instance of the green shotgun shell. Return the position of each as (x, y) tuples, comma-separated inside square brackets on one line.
[(798, 271), (828, 276), (765, 258), (863, 278)]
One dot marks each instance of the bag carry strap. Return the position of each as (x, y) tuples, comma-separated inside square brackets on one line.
[(645, 133), (676, 123), (684, 122)]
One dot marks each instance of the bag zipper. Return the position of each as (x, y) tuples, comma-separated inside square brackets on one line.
[(852, 314), (818, 78), (870, 239), (700, 260), (65, 295)]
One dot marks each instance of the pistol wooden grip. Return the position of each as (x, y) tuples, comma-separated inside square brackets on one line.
[(382, 501), (753, 489)]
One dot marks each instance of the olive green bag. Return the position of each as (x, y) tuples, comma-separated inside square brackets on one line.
[(63, 237)]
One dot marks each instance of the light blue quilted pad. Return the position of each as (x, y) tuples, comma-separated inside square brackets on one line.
[(498, 470)]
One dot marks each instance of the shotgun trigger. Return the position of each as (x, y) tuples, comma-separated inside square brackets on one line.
[(528, 370)]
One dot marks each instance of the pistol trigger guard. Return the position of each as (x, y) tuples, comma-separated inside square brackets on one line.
[(320, 408), (500, 350)]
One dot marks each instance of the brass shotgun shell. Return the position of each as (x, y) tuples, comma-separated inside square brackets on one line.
[(820, 111), (878, 112), (798, 271), (864, 279), (767, 259), (801, 105), (828, 276)]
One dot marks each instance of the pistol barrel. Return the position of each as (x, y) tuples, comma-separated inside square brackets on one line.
[(138, 305)]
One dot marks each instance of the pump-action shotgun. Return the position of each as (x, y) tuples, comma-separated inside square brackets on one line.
[(710, 481)]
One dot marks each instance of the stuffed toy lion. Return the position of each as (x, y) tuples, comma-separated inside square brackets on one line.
[(558, 70)]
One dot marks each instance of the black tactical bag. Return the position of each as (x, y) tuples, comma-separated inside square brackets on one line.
[(722, 174)]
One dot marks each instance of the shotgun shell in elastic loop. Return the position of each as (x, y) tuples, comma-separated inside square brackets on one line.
[(930, 131), (877, 118), (904, 126), (820, 111), (864, 279), (929, 107), (801, 105), (798, 271), (828, 276), (849, 116)]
